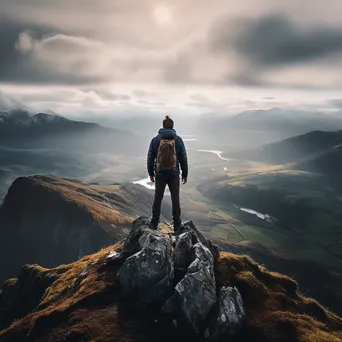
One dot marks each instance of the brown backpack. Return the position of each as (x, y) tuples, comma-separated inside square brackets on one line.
[(167, 155)]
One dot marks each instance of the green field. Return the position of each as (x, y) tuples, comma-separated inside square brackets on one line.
[(309, 224)]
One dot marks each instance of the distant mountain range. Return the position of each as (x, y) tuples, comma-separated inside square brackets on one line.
[(328, 162), (49, 143), (256, 127), (317, 151), (19, 129)]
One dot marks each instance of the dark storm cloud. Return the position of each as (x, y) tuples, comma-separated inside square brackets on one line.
[(275, 40), (337, 103), (88, 43), (246, 77), (14, 66), (17, 67)]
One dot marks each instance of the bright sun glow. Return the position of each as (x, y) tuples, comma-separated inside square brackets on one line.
[(162, 15)]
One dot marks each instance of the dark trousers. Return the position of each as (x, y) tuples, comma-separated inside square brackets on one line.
[(173, 183)]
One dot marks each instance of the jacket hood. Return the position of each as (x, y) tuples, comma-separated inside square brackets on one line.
[(167, 132)]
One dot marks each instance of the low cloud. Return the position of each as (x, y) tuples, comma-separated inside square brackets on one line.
[(140, 93), (75, 60), (9, 103), (200, 100), (276, 51)]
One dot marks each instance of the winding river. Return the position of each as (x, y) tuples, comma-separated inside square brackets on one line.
[(265, 217), (218, 153)]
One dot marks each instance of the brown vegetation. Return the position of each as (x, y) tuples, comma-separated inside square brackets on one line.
[(84, 196), (83, 304), (72, 290), (274, 308)]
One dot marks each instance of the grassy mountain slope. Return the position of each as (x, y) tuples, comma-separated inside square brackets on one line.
[(328, 162), (314, 280), (52, 220), (306, 210), (300, 147)]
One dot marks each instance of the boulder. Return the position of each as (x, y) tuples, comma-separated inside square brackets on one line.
[(131, 244), (146, 277), (190, 227), (229, 315), (183, 254), (195, 295), (175, 274)]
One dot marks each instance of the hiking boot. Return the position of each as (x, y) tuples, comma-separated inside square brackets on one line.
[(153, 224), (177, 226)]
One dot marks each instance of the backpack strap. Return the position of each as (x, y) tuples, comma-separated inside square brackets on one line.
[(161, 138)]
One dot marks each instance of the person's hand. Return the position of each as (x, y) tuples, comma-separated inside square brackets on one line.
[(152, 179), (184, 180)]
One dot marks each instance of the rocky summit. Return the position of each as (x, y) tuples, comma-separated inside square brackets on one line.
[(156, 285), (175, 274)]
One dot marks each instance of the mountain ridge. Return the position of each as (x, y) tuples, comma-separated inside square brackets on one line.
[(19, 129), (295, 149), (54, 220), (253, 128)]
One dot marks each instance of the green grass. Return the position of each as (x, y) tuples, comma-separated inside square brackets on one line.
[(220, 231), (268, 238)]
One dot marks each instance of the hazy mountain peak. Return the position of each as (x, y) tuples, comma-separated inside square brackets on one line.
[(43, 118), (278, 109)]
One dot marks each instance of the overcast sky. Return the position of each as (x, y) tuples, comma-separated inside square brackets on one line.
[(190, 56)]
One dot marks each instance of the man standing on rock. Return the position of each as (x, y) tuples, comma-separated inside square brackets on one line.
[(166, 153)]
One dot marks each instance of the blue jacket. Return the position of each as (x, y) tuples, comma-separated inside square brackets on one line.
[(182, 159)]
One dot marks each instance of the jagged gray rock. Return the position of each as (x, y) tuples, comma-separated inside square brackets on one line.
[(131, 244), (183, 254), (199, 237), (176, 273), (195, 294), (229, 314), (146, 277)]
